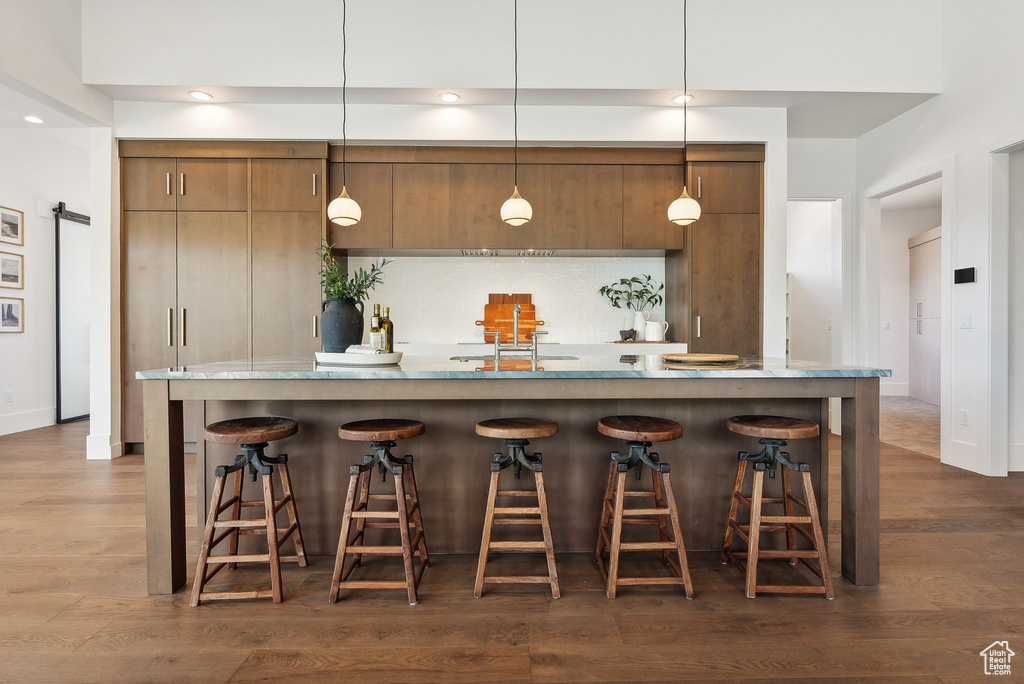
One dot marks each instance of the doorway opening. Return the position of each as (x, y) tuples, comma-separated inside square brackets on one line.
[(910, 312)]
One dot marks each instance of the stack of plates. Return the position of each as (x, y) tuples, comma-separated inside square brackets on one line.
[(343, 359)]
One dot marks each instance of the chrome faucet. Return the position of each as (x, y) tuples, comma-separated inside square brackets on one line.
[(516, 310)]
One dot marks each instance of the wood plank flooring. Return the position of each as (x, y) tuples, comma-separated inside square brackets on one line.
[(73, 603)]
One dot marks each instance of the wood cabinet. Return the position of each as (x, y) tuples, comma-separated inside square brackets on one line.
[(646, 193), (421, 206), (149, 184), (725, 284), (726, 187), (212, 184), (288, 184), (285, 283), (371, 186)]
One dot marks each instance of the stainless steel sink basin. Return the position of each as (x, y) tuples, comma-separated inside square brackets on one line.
[(513, 357)]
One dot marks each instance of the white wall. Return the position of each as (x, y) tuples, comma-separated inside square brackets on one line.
[(894, 271), (570, 44), (431, 303), (1016, 336), (811, 299), (38, 168)]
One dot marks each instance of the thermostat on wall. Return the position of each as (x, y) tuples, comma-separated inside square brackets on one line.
[(963, 275)]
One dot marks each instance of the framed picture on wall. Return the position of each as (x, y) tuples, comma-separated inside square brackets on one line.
[(12, 270), (12, 226), (12, 315)]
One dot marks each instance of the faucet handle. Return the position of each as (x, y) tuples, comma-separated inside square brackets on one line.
[(539, 332)]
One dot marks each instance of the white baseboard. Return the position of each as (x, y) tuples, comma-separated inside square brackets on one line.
[(26, 420), (1015, 462), (99, 448), (894, 389)]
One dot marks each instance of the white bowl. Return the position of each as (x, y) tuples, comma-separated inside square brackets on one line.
[(343, 359)]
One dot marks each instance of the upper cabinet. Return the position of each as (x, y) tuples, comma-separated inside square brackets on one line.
[(728, 187), (371, 186), (212, 185), (646, 193), (287, 184), (149, 184)]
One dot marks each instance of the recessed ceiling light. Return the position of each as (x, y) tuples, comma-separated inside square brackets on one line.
[(33, 119), (682, 99), (450, 98), (200, 95)]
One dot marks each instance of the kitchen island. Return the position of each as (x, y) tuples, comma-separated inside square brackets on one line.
[(452, 462)]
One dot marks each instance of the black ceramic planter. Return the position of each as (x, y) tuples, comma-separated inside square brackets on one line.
[(341, 324)]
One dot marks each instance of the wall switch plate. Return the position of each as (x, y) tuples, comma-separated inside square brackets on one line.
[(9, 396), (967, 321), (965, 417), (885, 325)]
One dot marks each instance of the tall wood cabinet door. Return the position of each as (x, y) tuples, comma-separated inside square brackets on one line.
[(725, 284), (285, 283), (925, 279), (148, 306), (646, 193), (421, 204), (148, 184), (575, 206), (371, 186), (287, 184), (213, 287), (213, 185), (726, 187), (476, 193)]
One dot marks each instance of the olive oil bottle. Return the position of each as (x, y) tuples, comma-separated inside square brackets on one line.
[(376, 339), (387, 331)]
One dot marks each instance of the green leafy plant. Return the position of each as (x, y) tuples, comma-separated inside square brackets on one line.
[(636, 293), (339, 285)]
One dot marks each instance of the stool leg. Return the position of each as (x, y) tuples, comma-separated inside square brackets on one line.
[(403, 528), (606, 511), (545, 526), (272, 543), (787, 502), (659, 502), (616, 540), (346, 521), (236, 514), (361, 504), (485, 542), (819, 538), (417, 516), (734, 504), (204, 551), (754, 534), (677, 532), (293, 515)]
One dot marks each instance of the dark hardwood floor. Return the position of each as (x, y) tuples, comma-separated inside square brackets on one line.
[(73, 603)]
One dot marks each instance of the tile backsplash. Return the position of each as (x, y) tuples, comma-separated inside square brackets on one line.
[(437, 299)]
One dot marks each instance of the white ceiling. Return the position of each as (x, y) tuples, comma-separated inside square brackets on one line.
[(15, 106), (924, 196)]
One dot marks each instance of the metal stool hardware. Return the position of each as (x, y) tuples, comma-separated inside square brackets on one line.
[(771, 456)]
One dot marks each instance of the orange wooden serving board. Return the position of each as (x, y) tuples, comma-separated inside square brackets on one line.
[(699, 358), (499, 316)]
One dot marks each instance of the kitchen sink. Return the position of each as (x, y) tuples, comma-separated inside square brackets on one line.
[(512, 357)]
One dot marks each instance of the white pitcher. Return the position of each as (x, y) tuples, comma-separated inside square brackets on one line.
[(655, 331), (640, 323)]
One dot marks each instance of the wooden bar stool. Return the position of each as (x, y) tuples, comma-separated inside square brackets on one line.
[(773, 431), (640, 432), (252, 435), (517, 432), (382, 435)]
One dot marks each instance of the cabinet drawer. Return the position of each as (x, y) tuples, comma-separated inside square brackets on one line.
[(726, 187), (287, 185), (212, 185), (148, 184)]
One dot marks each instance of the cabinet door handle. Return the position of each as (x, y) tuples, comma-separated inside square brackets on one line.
[(314, 185), (919, 308), (316, 327), (698, 326), (168, 189), (181, 328), (170, 327), (698, 187), (919, 332), (181, 184)]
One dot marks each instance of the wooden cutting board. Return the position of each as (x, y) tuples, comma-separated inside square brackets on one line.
[(699, 358), (499, 316)]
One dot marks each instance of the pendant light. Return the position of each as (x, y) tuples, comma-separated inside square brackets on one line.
[(344, 210), (516, 210), (684, 210)]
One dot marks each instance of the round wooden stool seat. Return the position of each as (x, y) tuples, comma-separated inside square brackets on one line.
[(516, 428), (773, 427), (381, 430), (250, 430), (640, 428)]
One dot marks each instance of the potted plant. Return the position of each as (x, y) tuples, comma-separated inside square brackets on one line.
[(638, 294), (342, 319)]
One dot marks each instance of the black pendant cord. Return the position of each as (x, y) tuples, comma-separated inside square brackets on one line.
[(686, 93), (515, 92), (344, 88)]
